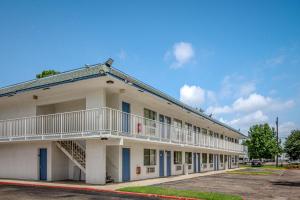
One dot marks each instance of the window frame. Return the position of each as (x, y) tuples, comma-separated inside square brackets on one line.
[(149, 157), (188, 158), (177, 159)]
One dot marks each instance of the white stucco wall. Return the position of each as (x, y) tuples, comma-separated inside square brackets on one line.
[(60, 164), (21, 160), (113, 162), (95, 161)]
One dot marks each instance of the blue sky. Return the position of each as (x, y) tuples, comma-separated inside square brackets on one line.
[(239, 60)]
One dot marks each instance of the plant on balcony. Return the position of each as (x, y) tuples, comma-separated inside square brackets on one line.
[(262, 142), (47, 73)]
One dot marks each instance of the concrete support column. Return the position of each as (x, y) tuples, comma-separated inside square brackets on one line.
[(95, 162)]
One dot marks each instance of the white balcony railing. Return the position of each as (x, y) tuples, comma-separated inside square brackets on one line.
[(109, 121)]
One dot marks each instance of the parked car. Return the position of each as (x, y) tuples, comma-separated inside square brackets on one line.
[(256, 163)]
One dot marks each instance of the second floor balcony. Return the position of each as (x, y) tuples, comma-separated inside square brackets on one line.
[(107, 122)]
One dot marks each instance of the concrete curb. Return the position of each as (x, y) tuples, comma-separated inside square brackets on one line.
[(94, 190)]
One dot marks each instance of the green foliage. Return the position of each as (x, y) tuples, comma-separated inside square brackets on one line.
[(180, 193), (292, 145), (47, 73), (262, 142)]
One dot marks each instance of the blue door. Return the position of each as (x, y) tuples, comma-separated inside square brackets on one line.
[(125, 164), (168, 163), (195, 162), (126, 117), (161, 163), (43, 164), (199, 162)]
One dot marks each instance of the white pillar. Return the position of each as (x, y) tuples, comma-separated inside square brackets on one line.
[(95, 161)]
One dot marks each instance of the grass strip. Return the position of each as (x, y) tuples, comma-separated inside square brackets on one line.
[(180, 193), (251, 173)]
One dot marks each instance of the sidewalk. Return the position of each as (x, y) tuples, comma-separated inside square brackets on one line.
[(108, 187)]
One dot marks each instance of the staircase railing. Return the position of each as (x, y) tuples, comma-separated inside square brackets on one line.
[(74, 151)]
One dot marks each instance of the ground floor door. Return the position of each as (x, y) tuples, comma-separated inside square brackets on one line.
[(168, 163), (43, 164), (125, 164), (229, 162), (215, 162), (195, 162), (199, 162), (161, 163)]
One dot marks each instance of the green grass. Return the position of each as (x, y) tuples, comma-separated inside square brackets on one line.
[(251, 173), (265, 167), (273, 167), (180, 193)]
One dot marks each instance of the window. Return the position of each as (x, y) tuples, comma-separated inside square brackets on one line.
[(149, 114), (221, 158), (204, 131), (204, 158), (150, 124), (188, 157), (211, 158), (177, 157), (189, 128), (164, 126), (177, 123), (149, 157)]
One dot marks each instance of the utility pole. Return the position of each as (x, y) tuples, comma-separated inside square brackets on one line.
[(277, 140)]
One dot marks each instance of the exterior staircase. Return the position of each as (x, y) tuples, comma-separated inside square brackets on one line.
[(74, 151)]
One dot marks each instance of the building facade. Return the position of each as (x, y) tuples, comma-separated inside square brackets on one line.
[(101, 125)]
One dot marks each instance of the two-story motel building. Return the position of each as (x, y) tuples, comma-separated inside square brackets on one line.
[(99, 124)]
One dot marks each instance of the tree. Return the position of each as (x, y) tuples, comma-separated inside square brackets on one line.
[(262, 142), (292, 145), (47, 73)]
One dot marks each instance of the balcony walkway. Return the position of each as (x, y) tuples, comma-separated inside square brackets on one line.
[(107, 122)]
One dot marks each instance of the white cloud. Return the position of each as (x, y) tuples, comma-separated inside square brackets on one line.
[(285, 128), (247, 88), (244, 122), (236, 86), (122, 54), (192, 95), (211, 97), (252, 103), (181, 54)]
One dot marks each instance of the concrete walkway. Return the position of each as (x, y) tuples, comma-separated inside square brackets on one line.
[(110, 187)]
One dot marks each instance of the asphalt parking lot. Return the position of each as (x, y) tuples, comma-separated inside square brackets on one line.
[(281, 184), (40, 193)]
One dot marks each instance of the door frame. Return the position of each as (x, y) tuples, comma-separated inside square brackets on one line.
[(195, 162), (43, 173), (169, 163), (126, 117), (199, 162), (124, 178), (161, 163)]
